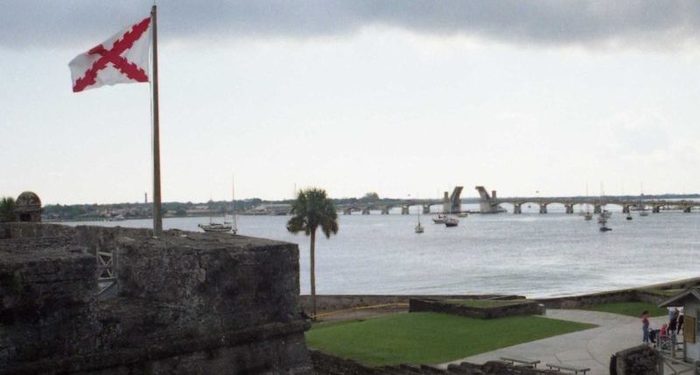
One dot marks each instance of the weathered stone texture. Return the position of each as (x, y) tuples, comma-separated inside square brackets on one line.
[(47, 293), (526, 307), (188, 303), (639, 360)]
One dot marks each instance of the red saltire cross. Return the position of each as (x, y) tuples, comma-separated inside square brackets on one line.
[(123, 65)]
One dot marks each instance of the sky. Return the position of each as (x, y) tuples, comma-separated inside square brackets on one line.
[(402, 98)]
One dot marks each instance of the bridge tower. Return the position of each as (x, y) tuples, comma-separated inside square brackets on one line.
[(452, 204), (487, 204)]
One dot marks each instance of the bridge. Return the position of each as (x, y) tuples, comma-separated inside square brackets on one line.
[(451, 203), (490, 203)]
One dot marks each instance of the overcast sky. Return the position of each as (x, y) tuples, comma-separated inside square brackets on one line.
[(398, 97)]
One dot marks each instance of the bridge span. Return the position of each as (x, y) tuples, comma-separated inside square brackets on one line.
[(490, 203), (451, 203)]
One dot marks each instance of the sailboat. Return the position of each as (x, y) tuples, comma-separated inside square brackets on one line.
[(640, 206), (603, 221), (214, 227), (451, 221), (587, 215), (419, 228), (225, 226), (234, 225)]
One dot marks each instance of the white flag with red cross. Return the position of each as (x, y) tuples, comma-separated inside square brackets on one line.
[(123, 58)]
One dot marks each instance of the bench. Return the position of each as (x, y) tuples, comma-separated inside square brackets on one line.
[(521, 361), (565, 367)]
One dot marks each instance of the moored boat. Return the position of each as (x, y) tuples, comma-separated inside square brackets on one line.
[(419, 228), (451, 221), (216, 227), (439, 219)]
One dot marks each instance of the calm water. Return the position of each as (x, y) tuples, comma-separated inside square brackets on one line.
[(530, 254)]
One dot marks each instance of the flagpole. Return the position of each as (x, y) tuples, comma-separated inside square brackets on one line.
[(157, 219)]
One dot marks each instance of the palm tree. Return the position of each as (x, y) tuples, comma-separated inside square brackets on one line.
[(313, 209), (7, 209)]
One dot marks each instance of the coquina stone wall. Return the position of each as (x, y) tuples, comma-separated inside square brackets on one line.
[(526, 307), (335, 302), (638, 360), (187, 303), (326, 364)]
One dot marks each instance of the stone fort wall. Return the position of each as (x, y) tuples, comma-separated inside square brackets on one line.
[(186, 303)]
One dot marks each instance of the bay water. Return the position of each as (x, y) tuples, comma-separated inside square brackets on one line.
[(530, 254)]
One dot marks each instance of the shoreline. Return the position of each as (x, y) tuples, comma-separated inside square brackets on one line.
[(654, 293)]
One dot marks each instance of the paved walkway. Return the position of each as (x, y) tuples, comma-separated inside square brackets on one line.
[(589, 348)]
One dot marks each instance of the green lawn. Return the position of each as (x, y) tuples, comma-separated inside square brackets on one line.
[(629, 308), (429, 337)]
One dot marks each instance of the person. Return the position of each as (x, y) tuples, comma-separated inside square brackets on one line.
[(673, 324), (664, 330), (645, 327), (680, 323)]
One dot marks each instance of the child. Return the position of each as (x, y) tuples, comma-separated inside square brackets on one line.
[(645, 327)]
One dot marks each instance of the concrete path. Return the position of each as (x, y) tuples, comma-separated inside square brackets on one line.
[(589, 348)]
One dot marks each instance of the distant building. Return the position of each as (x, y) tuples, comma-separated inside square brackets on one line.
[(272, 209)]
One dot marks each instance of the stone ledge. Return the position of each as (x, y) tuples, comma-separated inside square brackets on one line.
[(121, 357), (527, 307)]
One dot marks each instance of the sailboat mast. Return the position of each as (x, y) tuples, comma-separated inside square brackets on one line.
[(233, 200)]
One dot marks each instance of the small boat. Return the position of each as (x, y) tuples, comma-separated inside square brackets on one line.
[(216, 227), (643, 212), (588, 216), (227, 226), (463, 214), (451, 221), (629, 216), (439, 219), (419, 228), (603, 221)]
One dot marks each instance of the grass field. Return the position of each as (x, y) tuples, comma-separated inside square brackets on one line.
[(429, 338), (629, 308)]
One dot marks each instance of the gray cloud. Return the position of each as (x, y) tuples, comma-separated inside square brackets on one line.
[(638, 23)]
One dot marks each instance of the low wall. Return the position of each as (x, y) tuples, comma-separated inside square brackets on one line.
[(326, 364), (186, 303), (329, 302), (627, 295), (527, 307), (574, 302), (638, 360)]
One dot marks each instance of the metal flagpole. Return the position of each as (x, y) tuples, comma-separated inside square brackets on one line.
[(157, 219)]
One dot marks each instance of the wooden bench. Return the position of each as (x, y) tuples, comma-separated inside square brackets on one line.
[(515, 361), (565, 367)]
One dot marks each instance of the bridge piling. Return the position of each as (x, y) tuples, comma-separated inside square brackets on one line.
[(517, 208)]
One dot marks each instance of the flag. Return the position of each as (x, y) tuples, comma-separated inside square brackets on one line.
[(123, 58)]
